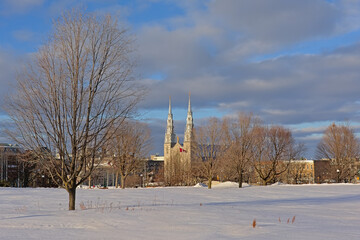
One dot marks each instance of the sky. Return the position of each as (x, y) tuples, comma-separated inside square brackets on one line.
[(293, 63)]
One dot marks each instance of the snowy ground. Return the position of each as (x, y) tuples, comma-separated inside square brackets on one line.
[(224, 212)]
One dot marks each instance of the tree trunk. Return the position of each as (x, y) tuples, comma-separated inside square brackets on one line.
[(123, 178), (209, 182), (240, 180), (72, 193), (265, 182), (90, 181), (116, 179)]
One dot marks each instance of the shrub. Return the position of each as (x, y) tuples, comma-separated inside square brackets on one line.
[(4, 183)]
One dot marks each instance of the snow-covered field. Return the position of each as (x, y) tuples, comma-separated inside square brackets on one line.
[(224, 212)]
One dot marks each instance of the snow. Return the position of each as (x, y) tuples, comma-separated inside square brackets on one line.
[(278, 183), (326, 211), (229, 185), (200, 185), (216, 184)]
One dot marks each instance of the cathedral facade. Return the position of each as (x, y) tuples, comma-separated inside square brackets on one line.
[(178, 157)]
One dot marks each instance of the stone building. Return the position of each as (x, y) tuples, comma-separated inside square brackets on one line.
[(10, 166), (177, 156), (299, 172)]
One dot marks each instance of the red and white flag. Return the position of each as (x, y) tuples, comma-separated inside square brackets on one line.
[(182, 150)]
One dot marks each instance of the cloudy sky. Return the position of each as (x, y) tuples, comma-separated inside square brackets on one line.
[(295, 63)]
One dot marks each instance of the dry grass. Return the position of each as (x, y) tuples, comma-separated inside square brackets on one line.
[(82, 206), (21, 210)]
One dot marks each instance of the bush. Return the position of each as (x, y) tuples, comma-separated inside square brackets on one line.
[(4, 183)]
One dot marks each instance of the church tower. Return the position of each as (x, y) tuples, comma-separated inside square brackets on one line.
[(170, 138), (177, 156), (188, 138)]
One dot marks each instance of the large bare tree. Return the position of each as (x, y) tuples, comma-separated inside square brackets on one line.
[(129, 147), (239, 141), (78, 86), (209, 148), (273, 149), (340, 146)]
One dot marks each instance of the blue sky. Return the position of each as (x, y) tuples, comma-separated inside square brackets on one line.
[(295, 63)]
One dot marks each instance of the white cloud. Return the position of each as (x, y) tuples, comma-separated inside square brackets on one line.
[(8, 65), (19, 6), (23, 35), (277, 21)]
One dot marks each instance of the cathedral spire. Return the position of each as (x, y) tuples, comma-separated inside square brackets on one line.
[(189, 123), (170, 105), (170, 133), (189, 107)]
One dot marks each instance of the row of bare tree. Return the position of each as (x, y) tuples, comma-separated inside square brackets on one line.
[(233, 147), (127, 150)]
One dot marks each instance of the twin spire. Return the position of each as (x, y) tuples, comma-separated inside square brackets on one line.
[(189, 123), (170, 136), (170, 133)]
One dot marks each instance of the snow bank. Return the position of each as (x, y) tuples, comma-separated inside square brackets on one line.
[(200, 185), (226, 185), (278, 183)]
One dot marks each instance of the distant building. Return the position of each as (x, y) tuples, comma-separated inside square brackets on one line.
[(301, 172), (154, 170), (11, 168), (150, 173), (178, 157), (327, 172), (323, 171)]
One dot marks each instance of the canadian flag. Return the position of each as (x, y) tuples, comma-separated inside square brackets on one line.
[(182, 150)]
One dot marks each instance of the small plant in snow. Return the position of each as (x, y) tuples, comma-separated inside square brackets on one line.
[(254, 223), (21, 210), (82, 206), (293, 220)]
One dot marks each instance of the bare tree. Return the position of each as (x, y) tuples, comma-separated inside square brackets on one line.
[(340, 146), (79, 85), (273, 149), (296, 173), (209, 148), (240, 140), (128, 148)]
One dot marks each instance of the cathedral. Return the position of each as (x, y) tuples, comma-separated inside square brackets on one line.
[(178, 157)]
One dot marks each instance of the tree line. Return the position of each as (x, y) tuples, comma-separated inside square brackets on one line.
[(244, 147), (231, 148)]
